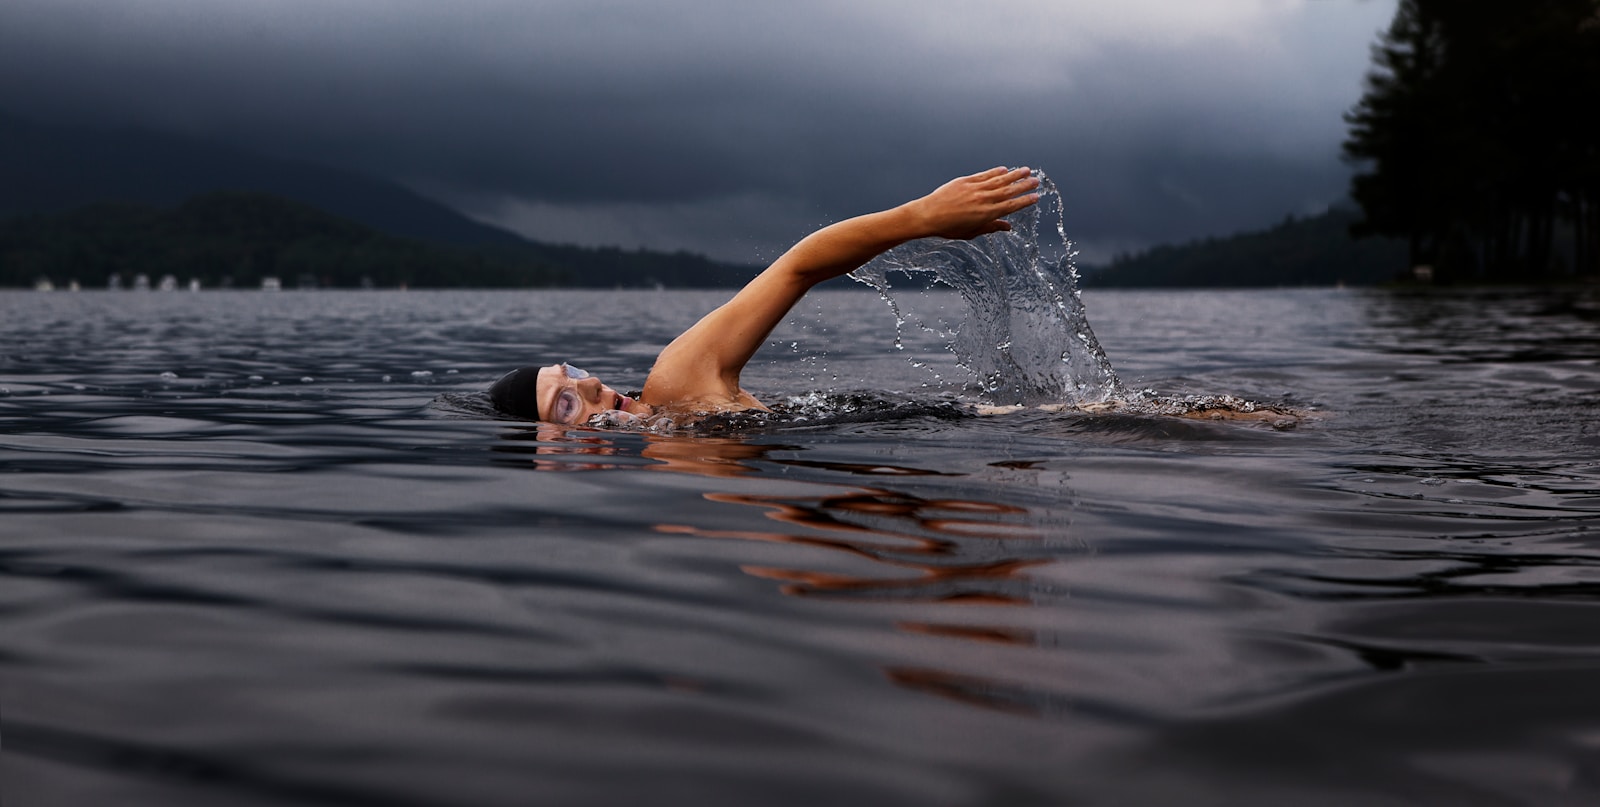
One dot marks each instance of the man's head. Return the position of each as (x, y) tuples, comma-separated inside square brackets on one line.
[(559, 393)]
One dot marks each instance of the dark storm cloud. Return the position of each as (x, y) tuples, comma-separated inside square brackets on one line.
[(733, 127)]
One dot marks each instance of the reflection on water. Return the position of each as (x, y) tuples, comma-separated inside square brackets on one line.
[(954, 551), (1526, 325)]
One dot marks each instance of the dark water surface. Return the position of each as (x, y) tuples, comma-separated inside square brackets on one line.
[(257, 549)]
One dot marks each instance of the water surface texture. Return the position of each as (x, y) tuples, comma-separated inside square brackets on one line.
[(260, 549)]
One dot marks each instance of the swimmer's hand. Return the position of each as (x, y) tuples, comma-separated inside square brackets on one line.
[(967, 207)]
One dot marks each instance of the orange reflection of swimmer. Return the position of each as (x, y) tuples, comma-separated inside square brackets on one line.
[(918, 549), (564, 448), (924, 551), (556, 448), (914, 541)]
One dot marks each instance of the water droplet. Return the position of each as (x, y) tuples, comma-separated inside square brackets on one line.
[(256, 378), (387, 379), (1023, 332), (421, 374), (305, 379), (169, 375)]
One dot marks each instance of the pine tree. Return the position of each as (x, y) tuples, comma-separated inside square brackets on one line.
[(1474, 132)]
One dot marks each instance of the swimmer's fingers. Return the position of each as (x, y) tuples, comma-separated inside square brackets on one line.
[(1009, 206), (1014, 190), (974, 205), (1000, 176), (1005, 191), (1002, 183)]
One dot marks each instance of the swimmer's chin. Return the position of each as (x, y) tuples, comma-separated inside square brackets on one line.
[(632, 406), (631, 413)]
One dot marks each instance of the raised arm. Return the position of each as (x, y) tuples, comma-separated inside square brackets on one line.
[(703, 364)]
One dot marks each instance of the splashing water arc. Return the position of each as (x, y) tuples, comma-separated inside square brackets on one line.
[(1024, 336)]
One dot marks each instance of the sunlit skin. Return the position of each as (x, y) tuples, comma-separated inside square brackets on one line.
[(594, 396), (699, 371)]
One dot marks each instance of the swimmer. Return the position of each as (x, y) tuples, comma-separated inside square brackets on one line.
[(698, 373)]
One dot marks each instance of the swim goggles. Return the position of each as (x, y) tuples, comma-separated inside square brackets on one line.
[(568, 403)]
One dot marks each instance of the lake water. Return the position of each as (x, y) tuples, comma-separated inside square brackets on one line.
[(262, 549)]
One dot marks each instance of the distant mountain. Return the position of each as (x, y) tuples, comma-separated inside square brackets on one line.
[(1313, 251), (53, 170), (238, 239)]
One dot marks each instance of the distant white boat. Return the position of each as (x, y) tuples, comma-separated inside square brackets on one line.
[(141, 282), (194, 284), (43, 284), (73, 286), (271, 284), (168, 283), (114, 282)]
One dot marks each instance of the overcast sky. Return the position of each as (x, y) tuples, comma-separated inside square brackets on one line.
[(732, 127)]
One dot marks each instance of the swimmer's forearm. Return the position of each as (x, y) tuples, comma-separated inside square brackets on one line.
[(965, 207)]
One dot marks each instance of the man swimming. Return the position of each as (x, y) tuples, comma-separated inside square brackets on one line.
[(698, 373)]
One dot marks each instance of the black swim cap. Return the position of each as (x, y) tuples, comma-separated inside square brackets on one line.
[(517, 393)]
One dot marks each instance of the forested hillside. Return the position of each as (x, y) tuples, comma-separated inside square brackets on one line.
[(82, 204), (237, 238), (1313, 251)]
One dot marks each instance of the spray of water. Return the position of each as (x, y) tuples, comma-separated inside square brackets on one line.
[(1024, 336)]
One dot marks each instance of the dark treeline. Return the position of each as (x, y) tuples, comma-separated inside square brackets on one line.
[(1309, 251), (1477, 138), (236, 239), (233, 238)]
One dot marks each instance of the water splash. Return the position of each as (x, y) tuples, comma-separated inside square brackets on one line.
[(1025, 336)]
